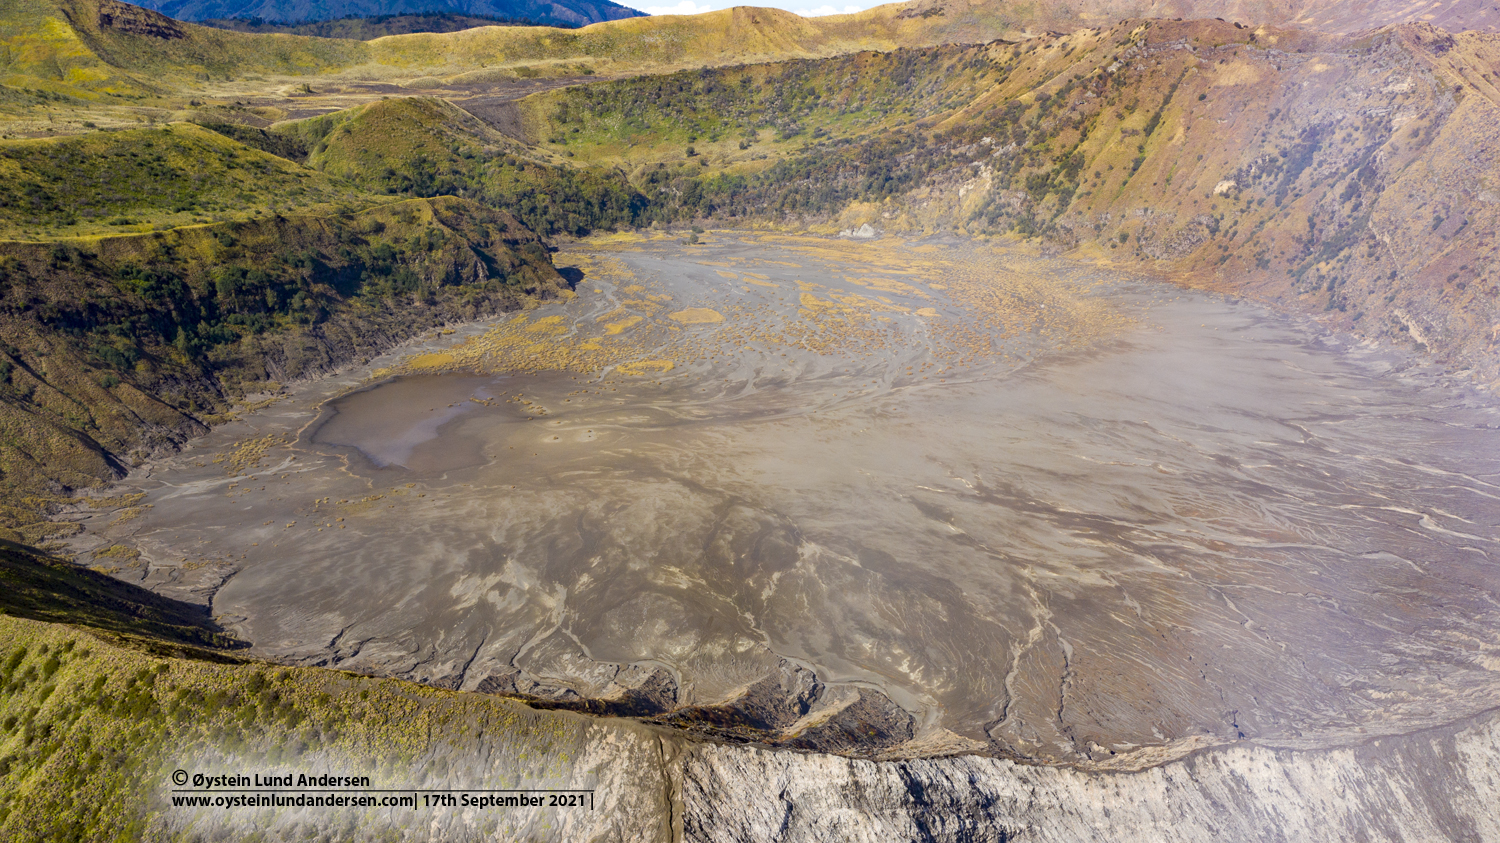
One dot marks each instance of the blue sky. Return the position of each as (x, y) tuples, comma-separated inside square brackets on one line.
[(806, 8)]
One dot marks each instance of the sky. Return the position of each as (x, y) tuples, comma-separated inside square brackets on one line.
[(806, 8)]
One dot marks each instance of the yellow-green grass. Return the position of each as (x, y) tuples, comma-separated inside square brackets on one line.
[(734, 118), (393, 133), (92, 726), (134, 41), (42, 51), (731, 36), (425, 145), (127, 181)]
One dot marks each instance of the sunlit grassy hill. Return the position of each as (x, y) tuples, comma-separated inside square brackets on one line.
[(42, 55), (726, 37), (356, 142), (133, 180), (426, 147), (103, 48), (93, 725)]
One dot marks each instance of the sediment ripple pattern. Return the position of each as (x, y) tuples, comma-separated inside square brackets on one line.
[(878, 499)]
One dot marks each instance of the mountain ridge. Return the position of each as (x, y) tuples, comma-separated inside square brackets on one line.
[(542, 12), (370, 28), (110, 49)]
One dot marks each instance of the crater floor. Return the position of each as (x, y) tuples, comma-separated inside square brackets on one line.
[(877, 498)]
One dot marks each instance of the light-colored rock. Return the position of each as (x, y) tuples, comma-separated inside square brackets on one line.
[(864, 232), (1440, 784)]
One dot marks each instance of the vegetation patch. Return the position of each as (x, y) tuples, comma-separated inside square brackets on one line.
[(107, 183)]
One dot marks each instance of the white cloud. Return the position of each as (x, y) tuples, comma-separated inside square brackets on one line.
[(691, 7)]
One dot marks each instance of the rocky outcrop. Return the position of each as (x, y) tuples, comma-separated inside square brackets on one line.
[(134, 20), (1351, 180), (1434, 785)]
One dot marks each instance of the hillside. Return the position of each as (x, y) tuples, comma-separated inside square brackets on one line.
[(427, 147), (43, 588), (105, 51), (1330, 176), (91, 732), (93, 54), (136, 179)]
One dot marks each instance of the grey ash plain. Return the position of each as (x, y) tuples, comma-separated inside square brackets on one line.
[(1157, 522)]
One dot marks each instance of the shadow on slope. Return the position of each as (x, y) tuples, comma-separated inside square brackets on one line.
[(45, 588)]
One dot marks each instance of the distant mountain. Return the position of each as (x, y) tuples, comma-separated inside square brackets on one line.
[(545, 12), (368, 29)]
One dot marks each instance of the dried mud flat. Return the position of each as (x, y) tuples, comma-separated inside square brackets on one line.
[(874, 498)]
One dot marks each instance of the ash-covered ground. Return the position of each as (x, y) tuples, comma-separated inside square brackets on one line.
[(874, 498)]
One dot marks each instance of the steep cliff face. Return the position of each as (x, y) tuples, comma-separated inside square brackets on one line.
[(1435, 785), (1353, 181)]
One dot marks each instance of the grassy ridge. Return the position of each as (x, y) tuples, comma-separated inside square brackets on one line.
[(107, 51), (159, 52), (100, 48), (130, 180), (428, 147), (42, 52), (725, 37), (90, 733), (372, 27)]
